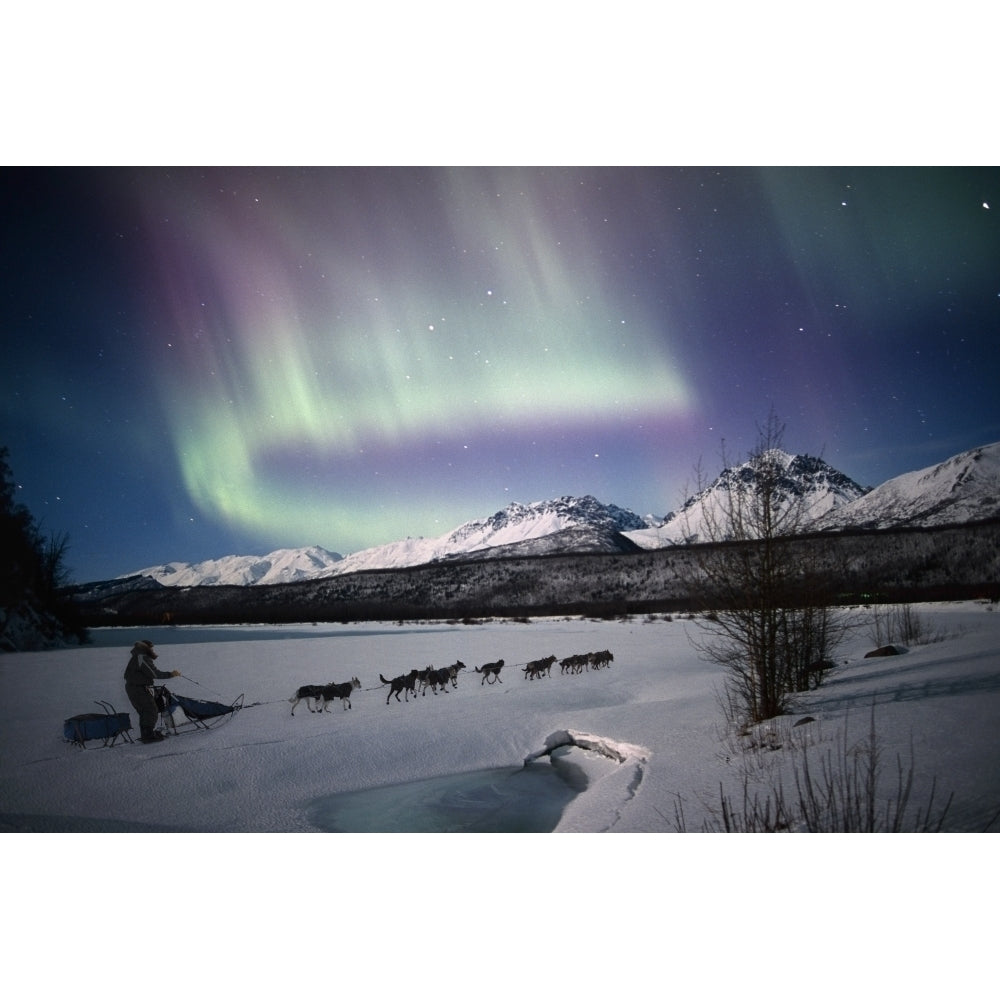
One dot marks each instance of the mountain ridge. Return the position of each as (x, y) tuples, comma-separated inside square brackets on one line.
[(962, 488)]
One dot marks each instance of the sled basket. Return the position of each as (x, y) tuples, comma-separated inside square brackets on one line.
[(197, 713), (106, 726)]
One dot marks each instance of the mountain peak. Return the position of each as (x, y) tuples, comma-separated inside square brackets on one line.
[(963, 488), (518, 522), (800, 479)]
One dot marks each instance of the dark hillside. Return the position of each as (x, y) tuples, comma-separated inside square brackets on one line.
[(913, 565)]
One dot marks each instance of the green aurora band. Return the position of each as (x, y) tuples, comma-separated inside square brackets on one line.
[(298, 333)]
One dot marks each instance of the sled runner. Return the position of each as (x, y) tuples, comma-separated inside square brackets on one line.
[(106, 726), (197, 714)]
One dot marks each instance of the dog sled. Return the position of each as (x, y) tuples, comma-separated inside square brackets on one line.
[(197, 714), (107, 726)]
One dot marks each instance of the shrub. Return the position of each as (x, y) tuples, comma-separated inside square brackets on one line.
[(845, 796), (897, 623)]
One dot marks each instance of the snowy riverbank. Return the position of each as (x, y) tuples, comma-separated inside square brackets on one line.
[(266, 772), (657, 701)]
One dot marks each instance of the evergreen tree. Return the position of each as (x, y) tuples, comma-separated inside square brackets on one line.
[(32, 566)]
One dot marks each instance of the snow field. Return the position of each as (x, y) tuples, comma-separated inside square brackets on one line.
[(637, 898)]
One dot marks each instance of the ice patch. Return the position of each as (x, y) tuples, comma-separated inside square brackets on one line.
[(496, 800)]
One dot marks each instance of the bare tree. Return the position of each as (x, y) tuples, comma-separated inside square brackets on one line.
[(53, 572), (767, 619)]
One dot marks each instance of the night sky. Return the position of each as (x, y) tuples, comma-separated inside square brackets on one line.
[(202, 362)]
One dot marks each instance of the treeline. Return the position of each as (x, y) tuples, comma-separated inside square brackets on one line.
[(34, 609), (863, 567)]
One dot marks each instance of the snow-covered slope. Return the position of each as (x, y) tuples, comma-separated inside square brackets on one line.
[(280, 566), (567, 524), (803, 479), (964, 488), (515, 525), (518, 522), (265, 771)]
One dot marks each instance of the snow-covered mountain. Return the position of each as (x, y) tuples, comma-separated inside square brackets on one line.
[(568, 524), (802, 479), (964, 488), (280, 566), (585, 524)]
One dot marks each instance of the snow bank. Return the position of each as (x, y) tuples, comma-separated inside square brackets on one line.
[(606, 772)]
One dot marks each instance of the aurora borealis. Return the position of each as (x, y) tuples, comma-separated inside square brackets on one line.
[(210, 361)]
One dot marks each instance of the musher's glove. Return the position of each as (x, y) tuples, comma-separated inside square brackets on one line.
[(175, 673)]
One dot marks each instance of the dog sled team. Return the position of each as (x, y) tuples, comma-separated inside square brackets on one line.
[(575, 664), (416, 682), (426, 678), (586, 661)]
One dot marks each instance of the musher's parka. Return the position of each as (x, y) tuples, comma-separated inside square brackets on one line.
[(139, 676)]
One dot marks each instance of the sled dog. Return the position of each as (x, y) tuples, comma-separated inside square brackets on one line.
[(490, 672), (539, 668), (330, 692), (309, 692), (454, 669), (404, 682)]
